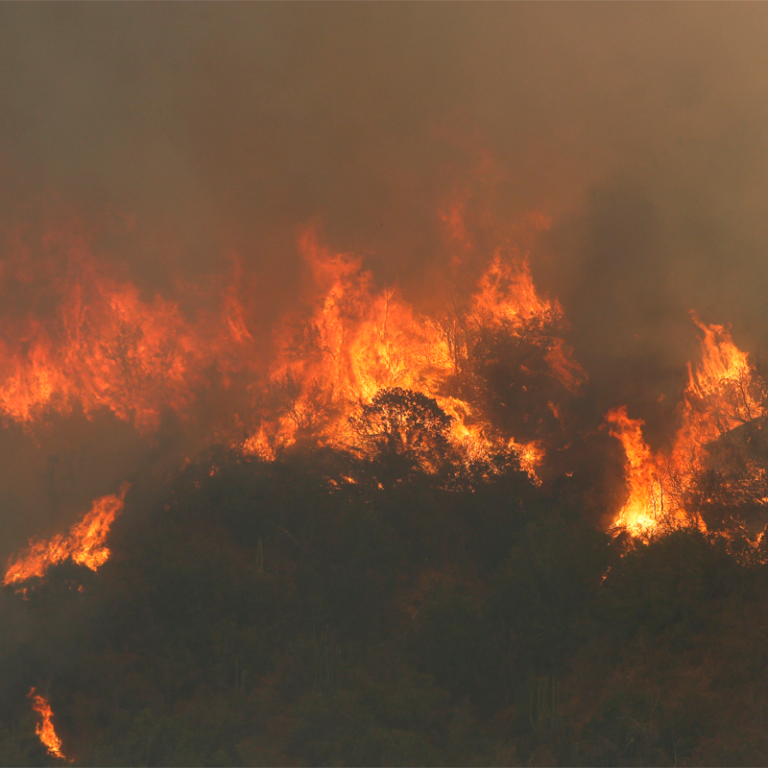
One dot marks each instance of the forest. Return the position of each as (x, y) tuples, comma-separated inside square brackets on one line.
[(330, 608), (383, 384), (412, 544)]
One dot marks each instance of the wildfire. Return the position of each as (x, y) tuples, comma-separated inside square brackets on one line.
[(645, 503), (358, 342), (84, 544), (721, 395), (44, 729), (77, 336), (72, 334)]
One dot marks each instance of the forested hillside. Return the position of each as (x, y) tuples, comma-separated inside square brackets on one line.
[(319, 610)]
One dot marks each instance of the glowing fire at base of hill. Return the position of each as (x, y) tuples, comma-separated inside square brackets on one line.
[(723, 393), (44, 729), (84, 544)]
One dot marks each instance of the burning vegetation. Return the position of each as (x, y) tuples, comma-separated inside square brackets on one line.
[(371, 475), (722, 409), (363, 355), (100, 346), (380, 384), (44, 729), (84, 544)]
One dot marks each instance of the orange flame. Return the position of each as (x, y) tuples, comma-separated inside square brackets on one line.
[(72, 334), (79, 337), (721, 395), (645, 503), (506, 293), (44, 729), (359, 341), (84, 544)]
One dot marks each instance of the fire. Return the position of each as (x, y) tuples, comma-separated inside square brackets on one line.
[(645, 504), (78, 336), (722, 394), (506, 293), (358, 342), (110, 351), (44, 729), (73, 334), (84, 544), (530, 456)]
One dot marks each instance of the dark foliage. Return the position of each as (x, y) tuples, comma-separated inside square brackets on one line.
[(304, 612), (405, 430)]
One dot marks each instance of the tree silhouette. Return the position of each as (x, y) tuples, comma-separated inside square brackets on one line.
[(404, 427)]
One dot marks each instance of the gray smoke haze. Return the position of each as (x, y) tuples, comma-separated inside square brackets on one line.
[(638, 128)]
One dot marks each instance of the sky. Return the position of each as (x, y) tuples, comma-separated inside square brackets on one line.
[(636, 129)]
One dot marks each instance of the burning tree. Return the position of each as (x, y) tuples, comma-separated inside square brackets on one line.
[(715, 472), (404, 428), (494, 365)]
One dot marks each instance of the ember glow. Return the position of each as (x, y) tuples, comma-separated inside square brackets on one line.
[(84, 544), (44, 729), (723, 393)]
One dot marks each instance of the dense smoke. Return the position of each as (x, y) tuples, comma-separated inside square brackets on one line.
[(183, 135), (381, 383)]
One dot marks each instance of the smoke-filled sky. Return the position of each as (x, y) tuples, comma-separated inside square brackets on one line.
[(638, 129)]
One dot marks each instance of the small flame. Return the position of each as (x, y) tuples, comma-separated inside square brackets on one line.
[(44, 729), (530, 456), (84, 544)]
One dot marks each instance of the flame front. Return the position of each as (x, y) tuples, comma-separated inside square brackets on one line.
[(84, 544), (72, 334), (44, 729), (358, 342)]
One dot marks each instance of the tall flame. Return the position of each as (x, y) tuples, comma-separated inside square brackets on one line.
[(44, 729), (645, 502), (721, 394), (77, 336), (84, 544), (359, 341), (72, 334)]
